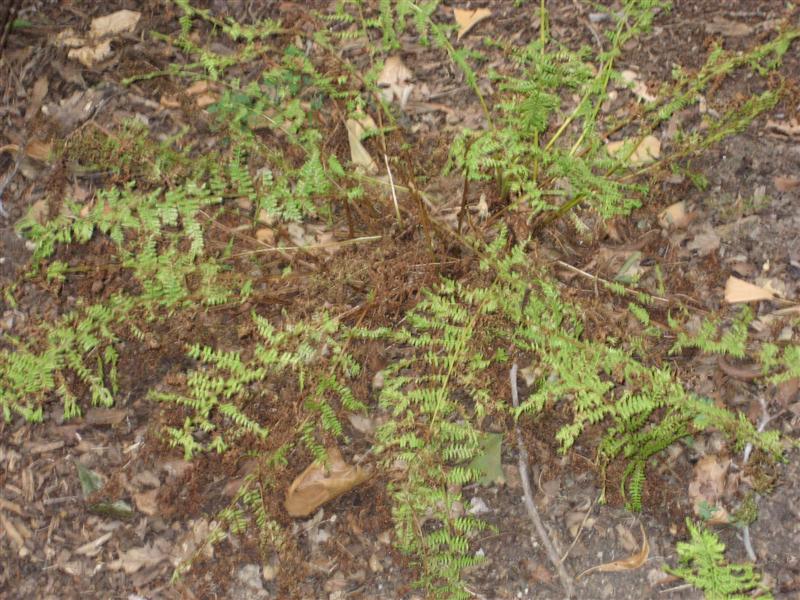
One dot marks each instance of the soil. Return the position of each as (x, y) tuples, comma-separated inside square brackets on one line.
[(744, 222)]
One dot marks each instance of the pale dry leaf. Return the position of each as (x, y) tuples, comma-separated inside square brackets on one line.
[(298, 235), (359, 154), (198, 87), (648, 150), (94, 547), (362, 424), (737, 290), (38, 93), (134, 559), (705, 242), (69, 39), (708, 486), (89, 56), (675, 215), (205, 100), (196, 538), (625, 564), (266, 235), (638, 87), (122, 21), (728, 28), (790, 128), (169, 101), (395, 81), (468, 18), (319, 484)]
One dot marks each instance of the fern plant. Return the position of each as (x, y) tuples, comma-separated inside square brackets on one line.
[(439, 393), (703, 565), (218, 394), (548, 158)]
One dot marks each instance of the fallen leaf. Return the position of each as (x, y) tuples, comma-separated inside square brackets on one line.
[(90, 481), (205, 100), (674, 215), (488, 461), (94, 547), (631, 269), (122, 21), (359, 154), (395, 81), (362, 423), (38, 150), (738, 290), (147, 502), (198, 87), (648, 150), (626, 564), (266, 235), (790, 129), (705, 242), (319, 484), (638, 87), (169, 101), (134, 559), (194, 541), (707, 488), (38, 93), (786, 184), (467, 19), (727, 28), (89, 56)]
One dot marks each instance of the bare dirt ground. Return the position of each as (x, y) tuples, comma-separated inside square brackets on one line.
[(745, 222)]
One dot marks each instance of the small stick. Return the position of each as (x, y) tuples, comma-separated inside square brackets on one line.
[(394, 193), (533, 513)]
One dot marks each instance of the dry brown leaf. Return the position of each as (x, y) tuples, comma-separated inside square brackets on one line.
[(674, 215), (727, 27), (648, 150), (38, 150), (708, 486), (266, 235), (198, 87), (205, 100), (395, 81), (122, 21), (738, 290), (38, 93), (89, 56), (639, 88), (625, 564), (169, 101), (319, 484), (790, 128), (359, 154), (147, 502), (94, 547), (786, 184), (468, 18), (134, 559), (705, 242)]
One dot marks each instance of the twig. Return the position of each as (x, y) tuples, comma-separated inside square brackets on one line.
[(394, 193), (350, 242), (580, 530), (763, 421), (606, 282), (533, 513)]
